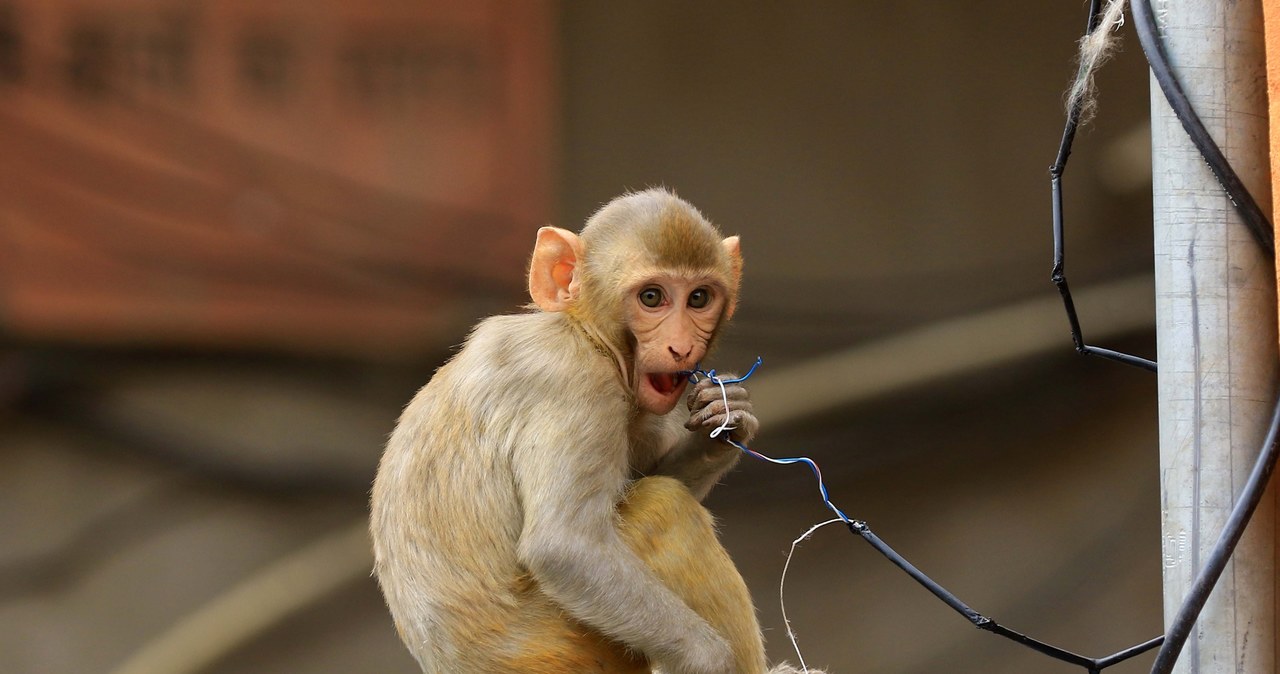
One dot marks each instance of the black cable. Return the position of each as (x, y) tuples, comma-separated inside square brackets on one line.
[(1171, 643), (1252, 215), (982, 622), (1208, 576), (1261, 229), (1059, 276), (1130, 652), (1245, 505)]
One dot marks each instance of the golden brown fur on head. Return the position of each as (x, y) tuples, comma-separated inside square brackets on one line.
[(674, 236)]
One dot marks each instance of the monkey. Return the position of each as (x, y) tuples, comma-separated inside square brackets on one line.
[(537, 508)]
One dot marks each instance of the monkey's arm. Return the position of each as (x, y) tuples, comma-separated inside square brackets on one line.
[(699, 460), (569, 486)]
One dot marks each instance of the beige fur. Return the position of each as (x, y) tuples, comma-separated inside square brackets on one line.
[(1096, 47), (510, 530)]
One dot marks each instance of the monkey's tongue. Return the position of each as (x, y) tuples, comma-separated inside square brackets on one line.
[(664, 382)]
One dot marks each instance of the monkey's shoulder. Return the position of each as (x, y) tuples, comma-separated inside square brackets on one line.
[(534, 339), (534, 353)]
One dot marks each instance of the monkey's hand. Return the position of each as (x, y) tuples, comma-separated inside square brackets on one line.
[(707, 410), (706, 653), (699, 460)]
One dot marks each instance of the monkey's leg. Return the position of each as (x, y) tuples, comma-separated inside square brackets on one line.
[(546, 641), (674, 535)]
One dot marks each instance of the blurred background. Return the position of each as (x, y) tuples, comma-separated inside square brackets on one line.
[(235, 237)]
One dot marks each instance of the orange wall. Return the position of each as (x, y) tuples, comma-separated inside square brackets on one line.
[(1271, 15), (299, 174)]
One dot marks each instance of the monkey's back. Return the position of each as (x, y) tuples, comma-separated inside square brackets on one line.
[(445, 511)]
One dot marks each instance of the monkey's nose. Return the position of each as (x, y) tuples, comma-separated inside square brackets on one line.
[(680, 357)]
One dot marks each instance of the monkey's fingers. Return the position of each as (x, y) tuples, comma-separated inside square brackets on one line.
[(715, 410), (742, 425), (706, 391), (707, 382)]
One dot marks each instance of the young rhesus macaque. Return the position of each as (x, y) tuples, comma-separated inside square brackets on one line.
[(537, 508)]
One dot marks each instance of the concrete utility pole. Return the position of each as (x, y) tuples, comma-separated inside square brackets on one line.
[(1216, 332)]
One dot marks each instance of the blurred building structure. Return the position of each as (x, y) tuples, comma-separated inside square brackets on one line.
[(235, 237), (245, 174)]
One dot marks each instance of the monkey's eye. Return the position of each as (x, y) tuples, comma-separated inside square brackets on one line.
[(699, 298), (651, 296)]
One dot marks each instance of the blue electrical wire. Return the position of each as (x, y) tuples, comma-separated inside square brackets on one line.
[(817, 472)]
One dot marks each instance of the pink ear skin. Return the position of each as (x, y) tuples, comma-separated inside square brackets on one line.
[(553, 279), (732, 246)]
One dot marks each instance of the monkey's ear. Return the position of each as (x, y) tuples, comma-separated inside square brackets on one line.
[(553, 271), (732, 246)]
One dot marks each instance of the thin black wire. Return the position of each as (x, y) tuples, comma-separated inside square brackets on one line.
[(1261, 229), (1059, 274)]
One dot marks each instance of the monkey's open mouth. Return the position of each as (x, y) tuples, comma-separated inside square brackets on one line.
[(665, 383)]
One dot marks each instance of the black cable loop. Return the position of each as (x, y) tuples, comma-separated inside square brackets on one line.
[(1245, 505), (1059, 274)]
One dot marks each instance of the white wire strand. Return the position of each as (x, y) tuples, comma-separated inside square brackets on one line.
[(725, 426), (782, 585)]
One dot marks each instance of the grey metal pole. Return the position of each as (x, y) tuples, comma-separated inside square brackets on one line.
[(1216, 332)]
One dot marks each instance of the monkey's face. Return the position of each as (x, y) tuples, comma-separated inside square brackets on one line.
[(673, 319)]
